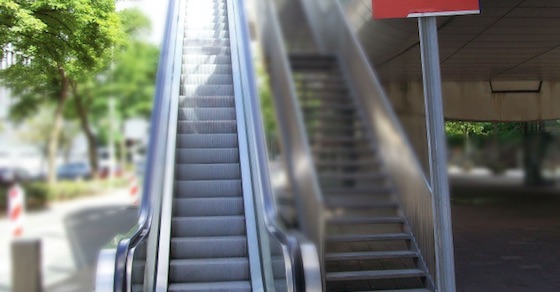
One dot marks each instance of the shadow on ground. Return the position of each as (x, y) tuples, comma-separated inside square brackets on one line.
[(88, 231)]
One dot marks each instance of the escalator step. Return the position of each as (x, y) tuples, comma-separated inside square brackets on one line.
[(375, 274), (225, 171), (209, 270), (208, 226), (207, 155), (202, 127), (209, 78), (208, 188), (207, 90), (207, 41), (206, 69), (365, 220), (213, 50), (208, 247), (207, 101), (207, 141), (238, 286), (183, 207), (206, 114)]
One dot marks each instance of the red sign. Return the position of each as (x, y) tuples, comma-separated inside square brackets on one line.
[(417, 8)]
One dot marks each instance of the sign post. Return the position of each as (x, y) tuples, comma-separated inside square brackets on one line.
[(426, 11)]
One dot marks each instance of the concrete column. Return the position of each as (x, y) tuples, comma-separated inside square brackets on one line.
[(26, 265)]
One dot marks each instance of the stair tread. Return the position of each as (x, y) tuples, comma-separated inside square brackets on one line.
[(221, 286), (370, 255), (374, 274), (369, 237), (365, 220)]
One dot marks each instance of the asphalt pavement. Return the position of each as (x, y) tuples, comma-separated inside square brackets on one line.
[(71, 234)]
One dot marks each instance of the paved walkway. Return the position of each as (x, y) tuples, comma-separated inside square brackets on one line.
[(71, 234)]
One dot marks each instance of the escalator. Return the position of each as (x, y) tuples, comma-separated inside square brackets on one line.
[(358, 189), (207, 219)]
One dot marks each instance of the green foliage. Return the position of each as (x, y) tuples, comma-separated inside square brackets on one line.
[(457, 128)]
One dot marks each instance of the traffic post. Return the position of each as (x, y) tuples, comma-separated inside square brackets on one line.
[(134, 189), (16, 210)]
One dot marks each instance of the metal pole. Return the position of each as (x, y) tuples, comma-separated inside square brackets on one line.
[(26, 265), (445, 266)]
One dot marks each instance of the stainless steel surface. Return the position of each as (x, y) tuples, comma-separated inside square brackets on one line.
[(437, 151), (295, 148)]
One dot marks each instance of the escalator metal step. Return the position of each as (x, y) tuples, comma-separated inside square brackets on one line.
[(208, 226), (375, 274), (206, 42), (207, 155), (206, 114), (237, 286), (208, 188), (209, 79), (207, 59), (370, 255), (203, 127), (207, 141), (224, 171), (206, 69), (208, 247), (206, 101), (183, 207), (207, 90), (206, 33), (213, 50), (209, 270)]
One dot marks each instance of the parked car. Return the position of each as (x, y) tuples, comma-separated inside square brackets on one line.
[(10, 174), (74, 171)]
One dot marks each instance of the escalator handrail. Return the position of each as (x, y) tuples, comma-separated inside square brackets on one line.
[(259, 164), (153, 181)]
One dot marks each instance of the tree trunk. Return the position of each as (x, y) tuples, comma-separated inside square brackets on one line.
[(86, 128), (57, 126)]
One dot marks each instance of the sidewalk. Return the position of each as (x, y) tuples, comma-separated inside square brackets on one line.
[(71, 233)]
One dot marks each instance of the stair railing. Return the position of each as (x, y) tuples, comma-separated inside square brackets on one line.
[(335, 36), (295, 149)]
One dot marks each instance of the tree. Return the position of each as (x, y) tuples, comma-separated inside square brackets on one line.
[(59, 41), (466, 130), (128, 79)]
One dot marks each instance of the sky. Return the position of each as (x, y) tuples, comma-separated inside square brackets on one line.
[(156, 10)]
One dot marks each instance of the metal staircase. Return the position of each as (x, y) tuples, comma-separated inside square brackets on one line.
[(368, 244)]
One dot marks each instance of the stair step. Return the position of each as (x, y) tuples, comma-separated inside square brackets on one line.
[(216, 141), (207, 90), (206, 69), (209, 79), (207, 101), (206, 155), (369, 237), (370, 255), (365, 220), (353, 176), (208, 226), (206, 114), (209, 270), (224, 171), (348, 203), (233, 286), (206, 127), (208, 247), (364, 192), (225, 206), (211, 50), (206, 26), (207, 188), (206, 59), (374, 275)]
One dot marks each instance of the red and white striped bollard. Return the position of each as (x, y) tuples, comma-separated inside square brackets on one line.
[(16, 210), (133, 190)]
